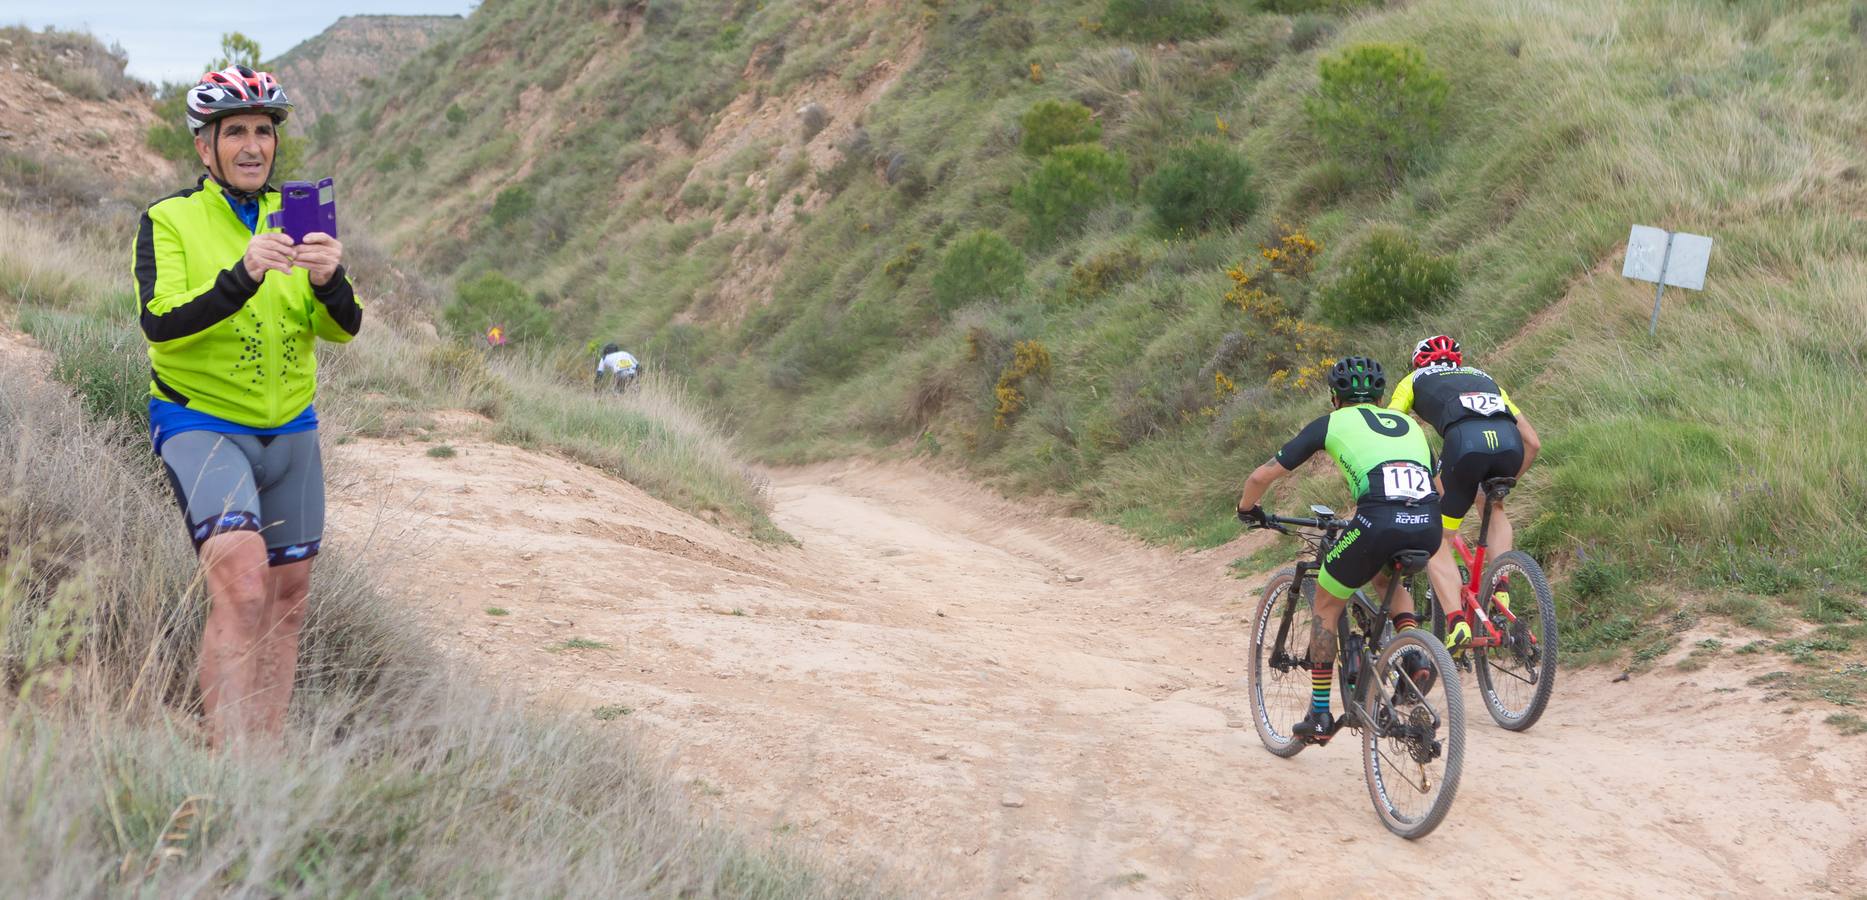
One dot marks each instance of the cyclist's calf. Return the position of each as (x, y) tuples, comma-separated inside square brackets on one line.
[(1322, 637)]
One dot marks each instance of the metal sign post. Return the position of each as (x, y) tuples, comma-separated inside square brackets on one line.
[(1666, 257)]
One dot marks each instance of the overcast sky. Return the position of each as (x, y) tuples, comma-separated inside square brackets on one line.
[(173, 41)]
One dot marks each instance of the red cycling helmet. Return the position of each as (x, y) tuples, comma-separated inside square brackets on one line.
[(1436, 349), (234, 90)]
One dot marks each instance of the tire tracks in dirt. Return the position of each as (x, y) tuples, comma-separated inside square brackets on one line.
[(988, 700)]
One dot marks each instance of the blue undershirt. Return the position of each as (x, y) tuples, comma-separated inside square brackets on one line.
[(167, 419), (248, 212)]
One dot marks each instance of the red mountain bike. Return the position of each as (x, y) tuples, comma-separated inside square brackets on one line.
[(1513, 643)]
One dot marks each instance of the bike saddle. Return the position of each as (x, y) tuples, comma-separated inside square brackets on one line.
[(1411, 562), (1498, 488)]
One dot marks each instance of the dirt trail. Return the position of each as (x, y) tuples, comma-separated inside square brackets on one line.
[(926, 683)]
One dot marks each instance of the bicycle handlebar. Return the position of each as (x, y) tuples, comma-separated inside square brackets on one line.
[(1278, 522)]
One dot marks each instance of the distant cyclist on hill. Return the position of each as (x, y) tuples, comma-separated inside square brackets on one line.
[(232, 310), (1388, 465), (619, 365), (1486, 436)]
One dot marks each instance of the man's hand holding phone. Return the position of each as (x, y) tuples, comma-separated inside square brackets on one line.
[(268, 252), (320, 254)]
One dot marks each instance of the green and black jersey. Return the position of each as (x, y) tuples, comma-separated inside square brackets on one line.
[(1446, 395), (220, 342), (1384, 456)]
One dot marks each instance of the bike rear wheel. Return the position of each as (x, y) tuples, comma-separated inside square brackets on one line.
[(1280, 689), (1413, 749), (1516, 679)]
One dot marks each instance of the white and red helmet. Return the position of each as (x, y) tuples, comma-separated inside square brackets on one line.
[(1435, 350), (234, 90)]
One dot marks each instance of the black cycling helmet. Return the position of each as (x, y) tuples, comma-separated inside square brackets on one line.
[(1357, 378), (610, 348)]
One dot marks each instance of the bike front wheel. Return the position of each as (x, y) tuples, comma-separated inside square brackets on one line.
[(1517, 678), (1414, 746), (1280, 677)]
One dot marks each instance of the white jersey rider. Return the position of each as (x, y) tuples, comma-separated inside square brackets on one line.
[(617, 363)]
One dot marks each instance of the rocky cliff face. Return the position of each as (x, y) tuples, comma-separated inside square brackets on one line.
[(64, 98), (323, 72)]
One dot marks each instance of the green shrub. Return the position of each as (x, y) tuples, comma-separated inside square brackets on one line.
[(979, 266), (1387, 276), (1072, 182), (1049, 124), (1161, 20), (1379, 105), (493, 299), (512, 204), (456, 115), (1205, 185)]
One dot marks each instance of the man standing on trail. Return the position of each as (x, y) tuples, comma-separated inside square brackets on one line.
[(231, 309)]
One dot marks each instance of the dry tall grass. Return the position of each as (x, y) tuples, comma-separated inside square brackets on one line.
[(402, 775)]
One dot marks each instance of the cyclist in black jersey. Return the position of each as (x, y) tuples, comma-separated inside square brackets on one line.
[(1486, 436), (1388, 466)]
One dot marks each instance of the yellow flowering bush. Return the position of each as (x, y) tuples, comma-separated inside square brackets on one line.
[(1029, 358)]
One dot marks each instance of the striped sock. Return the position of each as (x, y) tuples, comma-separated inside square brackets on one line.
[(1404, 621), (1320, 678)]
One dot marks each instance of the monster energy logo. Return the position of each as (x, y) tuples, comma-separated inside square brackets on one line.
[(1490, 439)]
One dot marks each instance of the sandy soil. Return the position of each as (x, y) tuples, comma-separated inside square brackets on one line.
[(982, 700)]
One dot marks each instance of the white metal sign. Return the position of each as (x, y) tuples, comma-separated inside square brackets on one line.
[(1666, 258)]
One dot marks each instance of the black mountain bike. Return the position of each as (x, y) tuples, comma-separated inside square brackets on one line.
[(1413, 740)]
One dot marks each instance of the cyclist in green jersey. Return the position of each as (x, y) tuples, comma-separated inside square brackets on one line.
[(1486, 436), (1388, 466)]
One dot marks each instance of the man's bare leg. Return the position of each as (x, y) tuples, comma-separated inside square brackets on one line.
[(282, 622), (1443, 574), (234, 568), (1403, 598), (1501, 537)]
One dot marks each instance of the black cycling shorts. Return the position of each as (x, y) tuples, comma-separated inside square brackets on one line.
[(1476, 449), (1381, 530)]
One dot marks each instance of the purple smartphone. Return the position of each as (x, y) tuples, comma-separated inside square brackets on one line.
[(306, 207)]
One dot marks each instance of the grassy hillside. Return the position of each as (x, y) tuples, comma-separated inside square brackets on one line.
[(355, 52), (1144, 368), (403, 774)]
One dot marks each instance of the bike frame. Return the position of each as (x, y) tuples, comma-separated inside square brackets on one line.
[(1474, 560), (1368, 616)]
